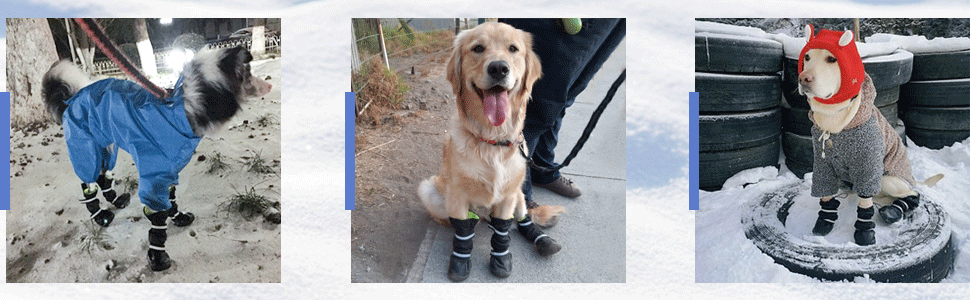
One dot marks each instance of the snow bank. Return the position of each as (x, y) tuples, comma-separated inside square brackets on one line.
[(723, 254), (919, 44), (712, 27)]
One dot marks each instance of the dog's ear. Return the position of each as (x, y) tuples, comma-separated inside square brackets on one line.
[(454, 64), (809, 32), (533, 68), (846, 38)]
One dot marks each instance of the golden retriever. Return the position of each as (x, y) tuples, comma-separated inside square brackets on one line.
[(475, 173), (491, 69)]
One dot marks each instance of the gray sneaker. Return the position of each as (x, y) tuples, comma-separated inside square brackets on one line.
[(563, 187)]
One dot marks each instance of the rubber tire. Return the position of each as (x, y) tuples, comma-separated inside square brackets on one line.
[(938, 118), (948, 65), (789, 85), (795, 120), (888, 71), (764, 225), (714, 52), (799, 156), (716, 167), (936, 93), (887, 96), (936, 139), (890, 112), (738, 131), (736, 93)]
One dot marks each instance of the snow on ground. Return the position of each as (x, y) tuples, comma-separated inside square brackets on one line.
[(723, 254)]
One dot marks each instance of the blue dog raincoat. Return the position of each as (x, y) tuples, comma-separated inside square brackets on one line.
[(111, 114)]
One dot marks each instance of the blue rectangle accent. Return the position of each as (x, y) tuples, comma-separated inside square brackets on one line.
[(5, 144), (350, 173), (694, 140)]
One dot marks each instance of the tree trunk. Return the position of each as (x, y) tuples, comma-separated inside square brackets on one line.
[(30, 52), (259, 38), (84, 48), (145, 51)]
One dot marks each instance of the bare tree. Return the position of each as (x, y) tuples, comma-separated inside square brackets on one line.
[(259, 37), (30, 51), (145, 51)]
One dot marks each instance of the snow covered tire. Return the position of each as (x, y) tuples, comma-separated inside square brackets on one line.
[(922, 250), (714, 52), (736, 93), (888, 71)]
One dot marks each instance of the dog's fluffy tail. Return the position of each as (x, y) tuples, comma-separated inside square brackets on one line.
[(432, 199), (61, 82), (546, 215), (930, 182)]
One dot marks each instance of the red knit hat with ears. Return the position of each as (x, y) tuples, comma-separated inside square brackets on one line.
[(842, 46)]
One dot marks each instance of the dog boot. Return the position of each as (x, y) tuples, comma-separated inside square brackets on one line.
[(826, 217), (157, 257), (545, 245), (459, 266), (864, 235), (500, 263), (895, 212), (179, 218), (99, 216), (107, 183)]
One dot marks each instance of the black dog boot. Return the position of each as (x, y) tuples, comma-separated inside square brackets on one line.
[(157, 257), (107, 183), (545, 245), (826, 217), (459, 266), (864, 235), (898, 209), (179, 218), (99, 216), (500, 263)]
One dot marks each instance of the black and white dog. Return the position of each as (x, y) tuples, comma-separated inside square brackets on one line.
[(160, 134)]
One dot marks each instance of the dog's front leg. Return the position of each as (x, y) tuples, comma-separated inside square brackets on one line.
[(463, 221), (500, 261), (864, 233)]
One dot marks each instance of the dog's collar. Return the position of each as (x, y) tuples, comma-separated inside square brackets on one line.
[(505, 143)]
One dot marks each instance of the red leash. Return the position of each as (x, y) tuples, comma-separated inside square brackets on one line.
[(94, 31)]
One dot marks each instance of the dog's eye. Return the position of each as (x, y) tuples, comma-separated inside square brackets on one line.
[(478, 49), (831, 59), (513, 49), (807, 58)]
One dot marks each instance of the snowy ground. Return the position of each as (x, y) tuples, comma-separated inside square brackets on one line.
[(723, 254), (50, 237)]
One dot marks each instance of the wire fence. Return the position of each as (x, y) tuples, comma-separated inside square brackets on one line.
[(385, 41)]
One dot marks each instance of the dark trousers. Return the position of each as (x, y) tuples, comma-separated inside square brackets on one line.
[(568, 64)]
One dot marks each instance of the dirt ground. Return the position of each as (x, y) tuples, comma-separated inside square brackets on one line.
[(50, 237), (388, 224)]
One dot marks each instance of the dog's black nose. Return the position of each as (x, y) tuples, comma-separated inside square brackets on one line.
[(498, 69)]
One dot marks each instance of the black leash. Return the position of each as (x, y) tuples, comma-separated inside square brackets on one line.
[(586, 132)]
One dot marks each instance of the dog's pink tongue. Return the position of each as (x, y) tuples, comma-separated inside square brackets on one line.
[(496, 104)]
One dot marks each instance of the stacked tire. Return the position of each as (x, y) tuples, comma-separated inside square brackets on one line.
[(936, 105), (888, 73), (738, 83)]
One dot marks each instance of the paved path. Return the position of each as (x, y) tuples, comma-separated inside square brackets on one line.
[(593, 231)]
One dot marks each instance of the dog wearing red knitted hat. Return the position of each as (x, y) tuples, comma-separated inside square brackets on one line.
[(854, 146)]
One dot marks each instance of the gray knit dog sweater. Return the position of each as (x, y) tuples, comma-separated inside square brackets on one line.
[(861, 154)]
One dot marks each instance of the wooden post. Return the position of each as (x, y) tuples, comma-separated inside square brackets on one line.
[(380, 33), (857, 38)]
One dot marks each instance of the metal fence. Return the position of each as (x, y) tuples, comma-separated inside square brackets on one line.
[(106, 67)]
